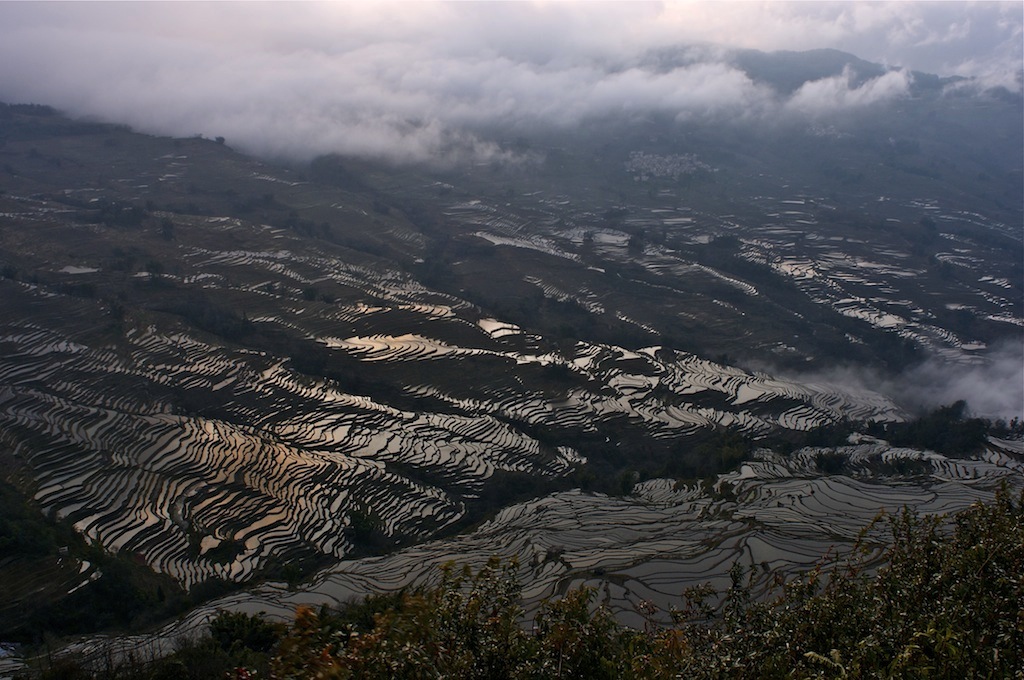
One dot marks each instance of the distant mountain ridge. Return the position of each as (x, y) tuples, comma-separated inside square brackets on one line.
[(786, 71)]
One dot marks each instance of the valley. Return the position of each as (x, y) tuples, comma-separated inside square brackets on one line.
[(307, 383)]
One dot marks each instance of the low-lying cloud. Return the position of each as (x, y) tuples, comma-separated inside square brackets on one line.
[(840, 92), (416, 81), (993, 387)]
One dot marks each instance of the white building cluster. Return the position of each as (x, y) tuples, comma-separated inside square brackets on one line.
[(644, 166)]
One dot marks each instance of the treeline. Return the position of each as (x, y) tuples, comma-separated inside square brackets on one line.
[(40, 110), (945, 603), (948, 430), (39, 121)]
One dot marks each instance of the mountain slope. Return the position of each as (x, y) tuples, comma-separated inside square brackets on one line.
[(219, 366)]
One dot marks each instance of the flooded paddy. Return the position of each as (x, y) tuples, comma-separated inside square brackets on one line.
[(777, 514)]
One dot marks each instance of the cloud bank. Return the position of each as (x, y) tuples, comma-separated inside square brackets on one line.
[(993, 387), (416, 81), (840, 92)]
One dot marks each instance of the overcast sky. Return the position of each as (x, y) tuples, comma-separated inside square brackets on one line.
[(414, 80)]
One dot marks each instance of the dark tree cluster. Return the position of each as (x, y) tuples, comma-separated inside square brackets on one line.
[(946, 430)]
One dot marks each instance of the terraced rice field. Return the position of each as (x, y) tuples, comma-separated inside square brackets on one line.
[(877, 285), (876, 277), (290, 457), (241, 378), (210, 460), (776, 515)]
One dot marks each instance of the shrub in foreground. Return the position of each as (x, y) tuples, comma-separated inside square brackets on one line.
[(946, 602)]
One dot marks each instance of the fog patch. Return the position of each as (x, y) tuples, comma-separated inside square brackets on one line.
[(993, 388)]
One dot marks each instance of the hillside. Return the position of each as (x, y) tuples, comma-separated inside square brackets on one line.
[(226, 370), (941, 599)]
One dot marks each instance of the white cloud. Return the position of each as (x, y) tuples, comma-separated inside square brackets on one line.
[(413, 80), (993, 388), (839, 92)]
